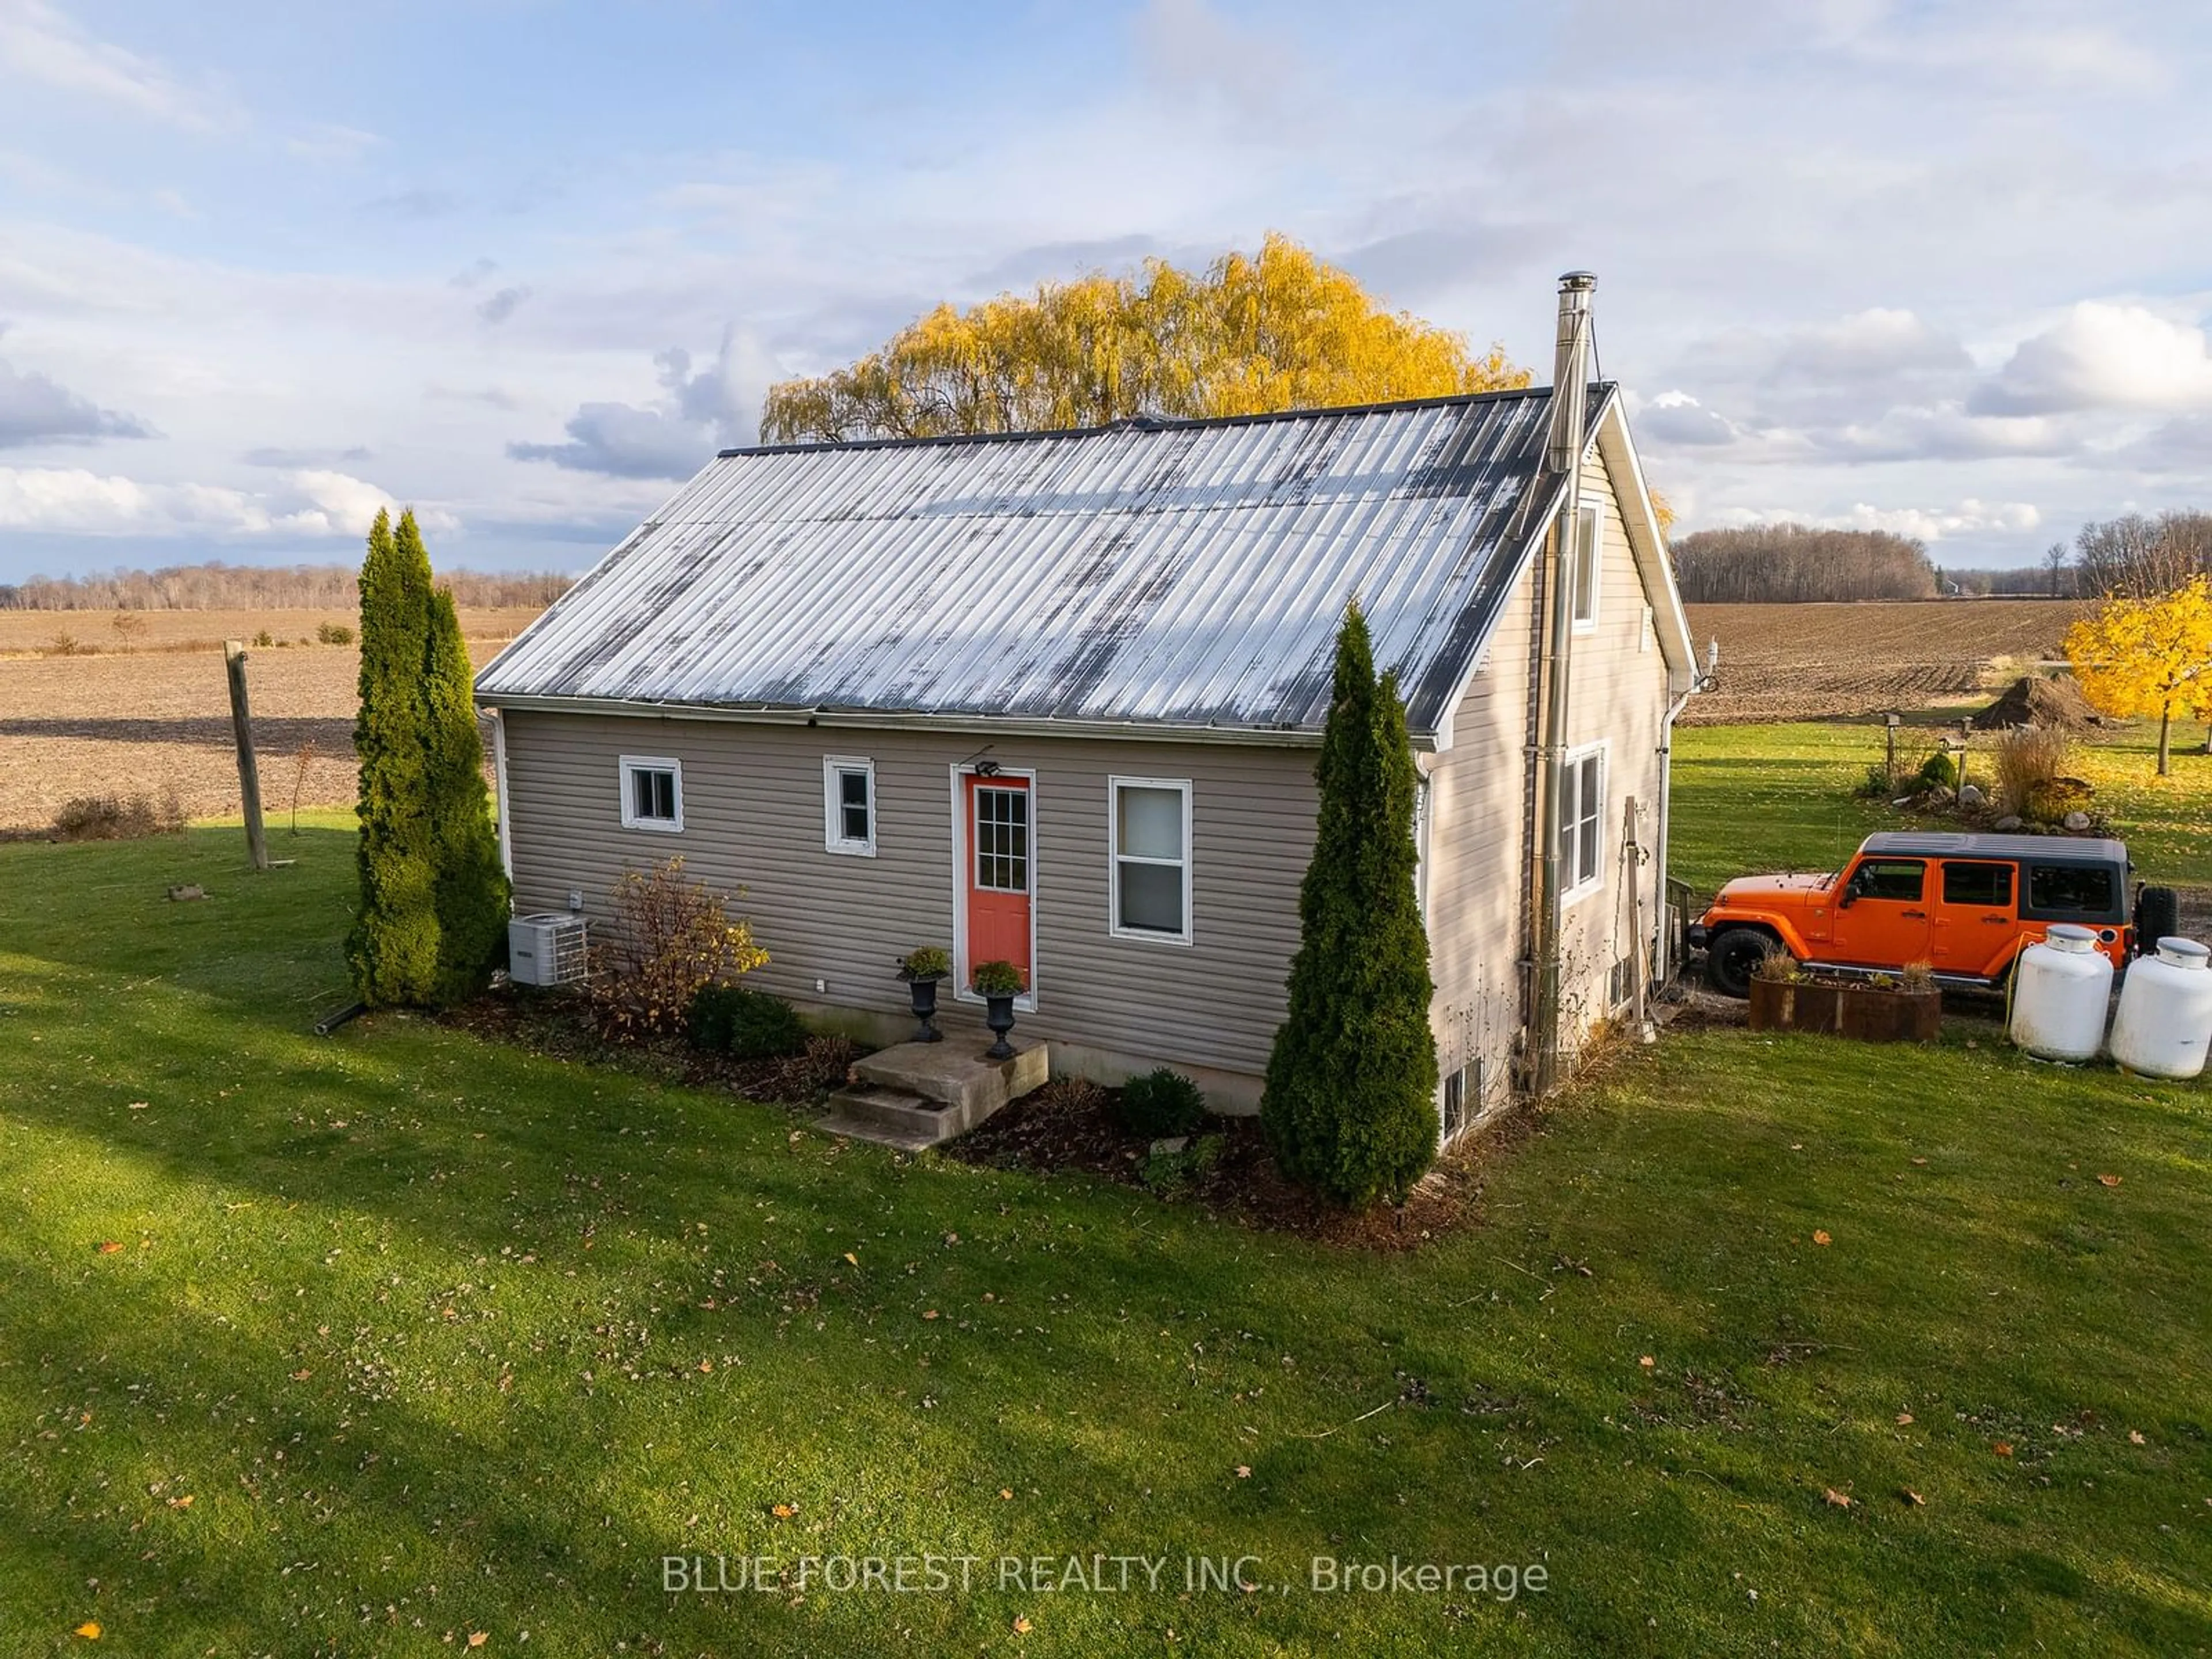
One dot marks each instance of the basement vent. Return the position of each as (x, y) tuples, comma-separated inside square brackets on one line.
[(546, 949)]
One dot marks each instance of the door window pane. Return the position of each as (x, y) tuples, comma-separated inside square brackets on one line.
[(1002, 839), (1888, 879), (1989, 884)]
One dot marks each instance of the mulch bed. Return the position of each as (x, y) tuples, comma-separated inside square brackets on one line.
[(557, 1026), (1063, 1127)]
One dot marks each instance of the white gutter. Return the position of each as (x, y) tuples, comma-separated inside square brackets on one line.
[(969, 725), (499, 782), (1665, 832)]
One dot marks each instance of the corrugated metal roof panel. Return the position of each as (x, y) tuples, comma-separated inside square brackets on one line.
[(1189, 573)]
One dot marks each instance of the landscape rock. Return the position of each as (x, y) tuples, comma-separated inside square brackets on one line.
[(1970, 794), (2075, 823), (2008, 824), (1170, 1145)]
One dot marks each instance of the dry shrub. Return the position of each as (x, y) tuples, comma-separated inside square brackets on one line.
[(1069, 1093), (1918, 976), (2028, 758), (1776, 967), (66, 644), (119, 817), (670, 935), (824, 1064)]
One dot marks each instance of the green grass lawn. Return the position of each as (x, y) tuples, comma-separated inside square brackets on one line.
[(409, 1337), (1751, 797)]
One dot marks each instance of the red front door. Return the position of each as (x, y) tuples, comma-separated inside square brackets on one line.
[(997, 881)]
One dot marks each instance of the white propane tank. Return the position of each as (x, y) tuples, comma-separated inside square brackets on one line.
[(2165, 1022), (2060, 992)]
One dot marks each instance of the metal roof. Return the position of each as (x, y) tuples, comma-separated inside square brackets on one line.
[(1189, 574), (1951, 843)]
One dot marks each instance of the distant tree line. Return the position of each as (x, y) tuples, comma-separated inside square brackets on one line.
[(1783, 563), (2133, 557), (219, 586)]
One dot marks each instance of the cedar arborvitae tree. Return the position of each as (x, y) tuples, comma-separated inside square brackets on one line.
[(393, 947), (471, 889), (1350, 1100)]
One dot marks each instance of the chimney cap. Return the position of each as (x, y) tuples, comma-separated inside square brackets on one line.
[(1577, 282)]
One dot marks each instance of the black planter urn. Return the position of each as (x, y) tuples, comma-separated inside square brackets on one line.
[(998, 1015), (924, 993)]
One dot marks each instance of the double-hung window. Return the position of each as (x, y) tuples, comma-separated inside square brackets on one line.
[(652, 794), (1589, 565), (1149, 832), (1581, 821), (848, 806)]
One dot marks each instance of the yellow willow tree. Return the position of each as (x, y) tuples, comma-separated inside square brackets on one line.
[(2152, 656), (1276, 330)]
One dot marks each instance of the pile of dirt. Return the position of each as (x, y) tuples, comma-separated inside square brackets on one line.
[(2055, 705)]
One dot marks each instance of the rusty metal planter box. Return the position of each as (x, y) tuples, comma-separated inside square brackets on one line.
[(1868, 1012)]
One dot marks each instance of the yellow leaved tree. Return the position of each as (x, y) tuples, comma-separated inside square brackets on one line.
[(2148, 656), (1248, 335)]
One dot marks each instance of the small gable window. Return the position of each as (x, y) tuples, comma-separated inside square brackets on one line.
[(848, 806), (652, 794), (1588, 566)]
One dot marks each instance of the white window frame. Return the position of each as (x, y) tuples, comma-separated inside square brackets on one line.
[(1585, 587), (834, 838), (1115, 856), (1590, 881), (630, 765)]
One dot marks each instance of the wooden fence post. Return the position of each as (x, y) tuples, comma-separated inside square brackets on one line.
[(249, 775)]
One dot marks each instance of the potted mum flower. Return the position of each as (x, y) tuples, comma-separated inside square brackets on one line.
[(921, 969), (997, 983)]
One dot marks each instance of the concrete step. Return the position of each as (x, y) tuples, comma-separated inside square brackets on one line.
[(883, 1135), (895, 1107), (957, 1073)]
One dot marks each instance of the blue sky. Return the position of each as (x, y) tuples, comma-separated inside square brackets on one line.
[(1939, 268)]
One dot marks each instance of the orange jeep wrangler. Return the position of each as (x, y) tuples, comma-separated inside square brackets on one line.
[(1965, 904)]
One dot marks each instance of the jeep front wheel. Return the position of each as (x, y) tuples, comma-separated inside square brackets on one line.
[(1733, 956)]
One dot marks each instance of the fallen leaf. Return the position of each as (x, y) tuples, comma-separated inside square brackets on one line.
[(478, 1638), (139, 1105), (1911, 1497), (1903, 1418), (1647, 1362), (108, 1247), (1842, 1500), (706, 1364), (90, 1630), (1820, 1237), (2003, 1449), (2108, 1181), (850, 1257), (1919, 1160), (1244, 1471), (184, 1503), (301, 1376), (930, 1314), (783, 1511), (2135, 1437), (1021, 1625), (1005, 1492)]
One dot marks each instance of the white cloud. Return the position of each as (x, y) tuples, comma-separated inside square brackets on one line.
[(1969, 518), (313, 503), (675, 436), (38, 43), (2104, 355)]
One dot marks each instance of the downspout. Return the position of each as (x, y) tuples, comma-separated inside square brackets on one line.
[(1563, 460), (1663, 955)]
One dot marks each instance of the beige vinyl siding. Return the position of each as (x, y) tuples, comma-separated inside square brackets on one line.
[(753, 820), (1478, 838)]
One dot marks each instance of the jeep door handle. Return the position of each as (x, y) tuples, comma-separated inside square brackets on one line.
[(1917, 915)]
